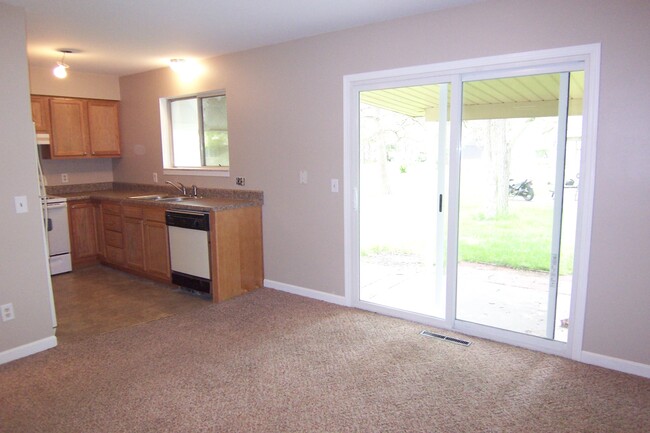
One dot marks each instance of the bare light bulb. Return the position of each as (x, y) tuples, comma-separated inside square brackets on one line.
[(186, 69), (61, 70)]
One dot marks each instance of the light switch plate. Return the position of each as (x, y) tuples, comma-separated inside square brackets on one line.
[(21, 204), (7, 311)]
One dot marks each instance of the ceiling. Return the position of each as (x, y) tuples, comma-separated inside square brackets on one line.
[(122, 37), (526, 96)]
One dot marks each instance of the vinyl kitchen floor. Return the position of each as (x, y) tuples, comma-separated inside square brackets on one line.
[(98, 299)]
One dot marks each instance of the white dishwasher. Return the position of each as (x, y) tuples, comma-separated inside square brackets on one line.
[(189, 248)]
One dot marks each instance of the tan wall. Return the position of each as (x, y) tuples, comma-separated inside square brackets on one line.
[(285, 109), (23, 275), (78, 171), (79, 85)]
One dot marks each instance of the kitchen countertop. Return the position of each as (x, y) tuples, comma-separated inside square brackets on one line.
[(123, 197)]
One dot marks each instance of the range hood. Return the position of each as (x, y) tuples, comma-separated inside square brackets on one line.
[(42, 138)]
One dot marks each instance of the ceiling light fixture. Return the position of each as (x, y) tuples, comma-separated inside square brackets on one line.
[(186, 69), (177, 65), (61, 70)]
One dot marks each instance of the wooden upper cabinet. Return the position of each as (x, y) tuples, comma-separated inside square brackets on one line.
[(103, 128), (69, 137), (41, 113), (84, 128)]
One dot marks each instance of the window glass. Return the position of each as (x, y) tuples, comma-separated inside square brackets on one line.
[(198, 129), (215, 131), (185, 133)]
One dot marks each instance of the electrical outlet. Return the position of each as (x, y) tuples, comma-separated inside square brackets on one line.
[(64, 177), (241, 181), (303, 177), (7, 311), (155, 177)]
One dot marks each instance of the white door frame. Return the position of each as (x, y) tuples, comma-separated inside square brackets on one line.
[(451, 72)]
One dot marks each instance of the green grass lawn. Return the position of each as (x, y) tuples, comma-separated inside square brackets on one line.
[(520, 240)]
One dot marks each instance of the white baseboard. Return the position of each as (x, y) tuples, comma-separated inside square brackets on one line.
[(27, 349), (617, 364), (609, 362), (308, 293)]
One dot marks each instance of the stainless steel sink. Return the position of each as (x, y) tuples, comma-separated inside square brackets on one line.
[(178, 198), (149, 197)]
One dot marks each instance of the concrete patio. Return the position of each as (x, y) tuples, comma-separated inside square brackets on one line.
[(490, 295)]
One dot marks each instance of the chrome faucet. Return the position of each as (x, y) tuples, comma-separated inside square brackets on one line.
[(194, 191), (179, 186)]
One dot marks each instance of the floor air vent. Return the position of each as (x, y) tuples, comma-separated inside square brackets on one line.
[(445, 338)]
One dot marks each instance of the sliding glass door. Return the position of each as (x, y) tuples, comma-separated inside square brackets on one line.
[(516, 227), (465, 195), (403, 172)]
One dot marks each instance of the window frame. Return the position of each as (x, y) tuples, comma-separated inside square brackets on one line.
[(167, 144)]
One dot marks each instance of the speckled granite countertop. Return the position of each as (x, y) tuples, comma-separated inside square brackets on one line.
[(210, 199)]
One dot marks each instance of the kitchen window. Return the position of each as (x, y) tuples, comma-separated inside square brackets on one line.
[(195, 134)]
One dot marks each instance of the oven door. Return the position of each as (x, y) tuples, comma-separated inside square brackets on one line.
[(58, 232)]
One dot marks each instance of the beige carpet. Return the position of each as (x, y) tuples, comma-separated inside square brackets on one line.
[(274, 362)]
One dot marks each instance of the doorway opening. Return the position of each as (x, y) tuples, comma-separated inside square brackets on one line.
[(516, 228), (403, 175)]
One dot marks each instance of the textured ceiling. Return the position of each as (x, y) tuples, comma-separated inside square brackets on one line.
[(121, 37)]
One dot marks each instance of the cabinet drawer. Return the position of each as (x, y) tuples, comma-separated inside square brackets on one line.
[(114, 209), (112, 222), (132, 211), (114, 239), (114, 255)]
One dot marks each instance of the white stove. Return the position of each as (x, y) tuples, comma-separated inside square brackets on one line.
[(55, 211)]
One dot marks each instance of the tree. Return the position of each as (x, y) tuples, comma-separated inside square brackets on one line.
[(500, 152)]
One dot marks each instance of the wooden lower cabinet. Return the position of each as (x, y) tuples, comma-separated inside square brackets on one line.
[(83, 241), (156, 244), (134, 243), (133, 233), (99, 231), (112, 229), (237, 264), (136, 240)]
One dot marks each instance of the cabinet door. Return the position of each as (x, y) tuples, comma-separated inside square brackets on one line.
[(133, 231), (99, 229), (41, 113), (69, 136), (156, 247), (103, 128), (83, 244)]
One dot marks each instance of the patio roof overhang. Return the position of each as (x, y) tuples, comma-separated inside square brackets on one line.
[(518, 97)]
